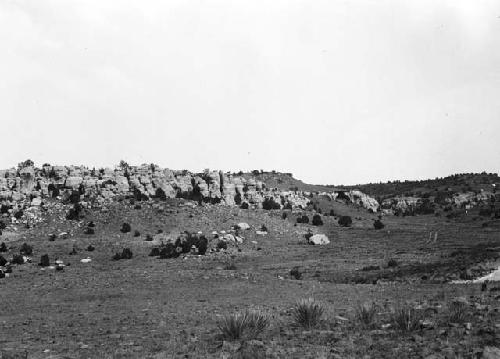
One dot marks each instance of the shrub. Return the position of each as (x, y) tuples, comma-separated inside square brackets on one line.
[(3, 247), (18, 214), (295, 273), (378, 224), (44, 261), (2, 225), (155, 251), (303, 219), (75, 213), (345, 221), (248, 324), (244, 205), (406, 318), (284, 215), (269, 204), (149, 238), (89, 230), (263, 228), (137, 233), (126, 253), (307, 313), (26, 249), (317, 221), (3, 261), (17, 259), (169, 251), (52, 237), (221, 245), (90, 248), (392, 263), (125, 228), (366, 314)]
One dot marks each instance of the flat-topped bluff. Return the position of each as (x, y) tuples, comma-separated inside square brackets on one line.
[(29, 186)]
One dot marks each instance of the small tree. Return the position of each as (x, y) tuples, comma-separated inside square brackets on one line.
[(24, 164)]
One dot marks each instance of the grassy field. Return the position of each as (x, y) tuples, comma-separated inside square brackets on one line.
[(146, 307)]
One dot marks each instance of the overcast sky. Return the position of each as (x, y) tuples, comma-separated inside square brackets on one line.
[(333, 91)]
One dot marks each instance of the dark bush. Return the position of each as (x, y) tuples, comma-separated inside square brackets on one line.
[(3, 247), (392, 263), (378, 224), (270, 204), (295, 273), (90, 248), (221, 245), (308, 235), (370, 268), (89, 230), (303, 219), (2, 225), (3, 261), (75, 213), (126, 253), (137, 206), (18, 214), (202, 245), (74, 197), (52, 237), (244, 205), (125, 228), (91, 224), (17, 259), (263, 228), (148, 238), (345, 221), (284, 215), (155, 251), (117, 256), (137, 233), (26, 249), (317, 221), (169, 251), (44, 261)]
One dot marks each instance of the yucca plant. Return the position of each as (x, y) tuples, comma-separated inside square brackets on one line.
[(307, 313), (248, 324), (458, 312), (406, 318), (366, 314)]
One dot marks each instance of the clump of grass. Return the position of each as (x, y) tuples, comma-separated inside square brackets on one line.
[(458, 312), (366, 315), (248, 324), (406, 318), (307, 313)]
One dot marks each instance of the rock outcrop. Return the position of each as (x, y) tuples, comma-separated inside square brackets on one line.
[(30, 186)]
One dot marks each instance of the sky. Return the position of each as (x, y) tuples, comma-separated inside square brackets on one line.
[(336, 92)]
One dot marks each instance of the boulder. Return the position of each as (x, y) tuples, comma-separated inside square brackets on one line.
[(318, 239)]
